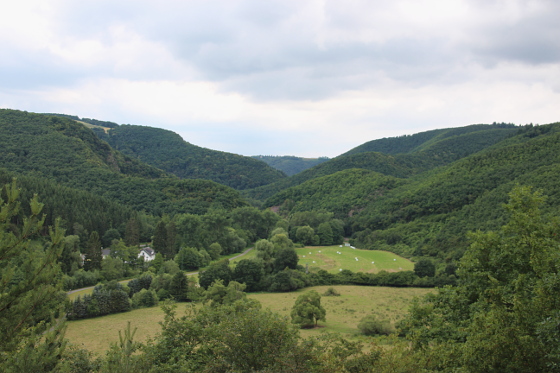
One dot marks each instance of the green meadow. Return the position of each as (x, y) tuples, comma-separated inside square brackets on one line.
[(344, 312), (334, 258)]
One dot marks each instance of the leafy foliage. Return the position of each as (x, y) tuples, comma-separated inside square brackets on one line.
[(307, 310), (498, 317)]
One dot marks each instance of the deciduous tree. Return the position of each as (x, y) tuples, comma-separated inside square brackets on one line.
[(307, 311)]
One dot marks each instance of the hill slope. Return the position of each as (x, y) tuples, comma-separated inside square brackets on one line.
[(168, 151), (429, 213), (425, 152), (66, 152)]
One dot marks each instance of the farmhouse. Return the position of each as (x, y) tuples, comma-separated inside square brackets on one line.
[(147, 253)]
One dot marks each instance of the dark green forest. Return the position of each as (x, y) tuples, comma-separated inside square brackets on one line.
[(168, 151), (475, 207), (68, 153)]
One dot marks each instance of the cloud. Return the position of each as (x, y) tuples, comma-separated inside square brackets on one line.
[(284, 76)]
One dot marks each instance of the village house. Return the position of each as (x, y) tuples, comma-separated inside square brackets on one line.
[(147, 253)]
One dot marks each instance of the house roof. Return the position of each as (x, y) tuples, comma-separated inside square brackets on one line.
[(149, 251)]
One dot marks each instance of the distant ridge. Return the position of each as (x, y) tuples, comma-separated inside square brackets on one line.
[(290, 164)]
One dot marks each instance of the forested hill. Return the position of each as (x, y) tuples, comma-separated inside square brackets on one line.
[(64, 151), (429, 213), (168, 151), (290, 164), (423, 140), (419, 153)]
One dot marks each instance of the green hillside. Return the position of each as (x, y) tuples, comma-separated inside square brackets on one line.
[(342, 193), (290, 164), (168, 151), (68, 153), (429, 213), (423, 140), (90, 211), (418, 153)]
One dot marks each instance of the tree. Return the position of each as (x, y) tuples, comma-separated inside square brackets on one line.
[(179, 286), (127, 254), (305, 235), (215, 250), (112, 268), (498, 318), (219, 294), (285, 258), (216, 271), (70, 260), (425, 268), (281, 241), (188, 259), (132, 233), (325, 233), (265, 252), (93, 256), (159, 242), (32, 341), (249, 272), (307, 311), (109, 236), (171, 238)]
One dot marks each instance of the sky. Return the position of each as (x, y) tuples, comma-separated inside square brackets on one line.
[(284, 77)]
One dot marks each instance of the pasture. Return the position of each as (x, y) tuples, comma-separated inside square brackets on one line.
[(344, 312), (334, 258)]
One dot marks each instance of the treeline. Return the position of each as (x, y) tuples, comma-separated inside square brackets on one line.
[(94, 122)]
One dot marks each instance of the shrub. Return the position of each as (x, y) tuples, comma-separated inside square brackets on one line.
[(370, 325), (331, 292), (144, 298)]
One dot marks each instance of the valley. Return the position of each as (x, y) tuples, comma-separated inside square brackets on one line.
[(445, 238)]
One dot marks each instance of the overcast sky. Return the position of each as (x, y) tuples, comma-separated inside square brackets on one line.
[(302, 77)]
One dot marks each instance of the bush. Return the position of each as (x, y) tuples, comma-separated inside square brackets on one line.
[(370, 325), (144, 298), (331, 292)]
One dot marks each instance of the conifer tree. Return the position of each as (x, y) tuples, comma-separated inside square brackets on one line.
[(171, 239), (159, 242), (132, 233), (32, 340), (93, 252)]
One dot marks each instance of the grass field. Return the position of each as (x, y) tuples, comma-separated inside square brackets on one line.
[(343, 314), (335, 258)]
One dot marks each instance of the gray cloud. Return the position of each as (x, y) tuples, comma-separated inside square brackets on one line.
[(403, 62)]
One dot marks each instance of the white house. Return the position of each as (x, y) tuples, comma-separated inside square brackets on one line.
[(147, 253)]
